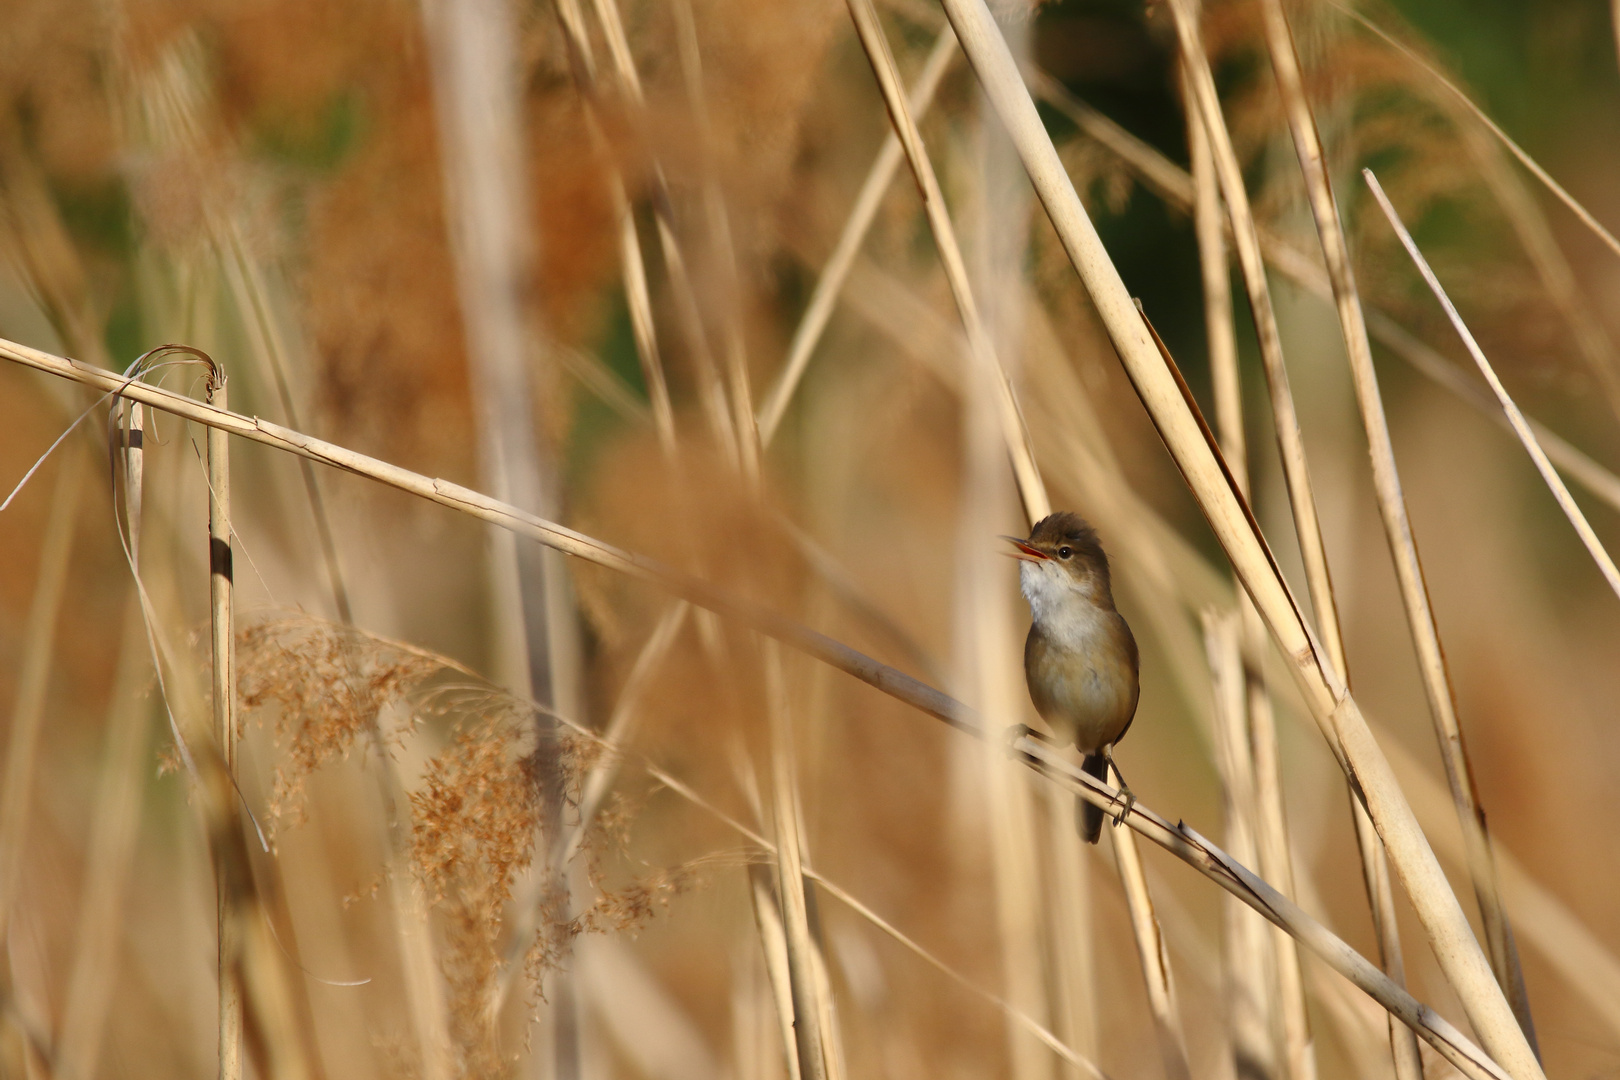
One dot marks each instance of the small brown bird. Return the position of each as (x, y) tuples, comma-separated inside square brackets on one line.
[(1080, 658)]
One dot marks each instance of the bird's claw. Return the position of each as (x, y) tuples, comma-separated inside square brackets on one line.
[(1127, 801)]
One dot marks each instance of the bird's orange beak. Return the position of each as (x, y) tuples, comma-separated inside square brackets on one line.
[(1025, 553)]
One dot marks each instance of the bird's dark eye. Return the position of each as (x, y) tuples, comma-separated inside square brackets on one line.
[(1065, 552)]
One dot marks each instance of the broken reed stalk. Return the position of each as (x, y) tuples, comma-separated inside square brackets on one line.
[(222, 640), (1392, 510), (835, 271), (1521, 428), (904, 688), (1329, 700)]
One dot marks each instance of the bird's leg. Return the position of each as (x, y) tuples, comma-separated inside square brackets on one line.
[(1126, 795)]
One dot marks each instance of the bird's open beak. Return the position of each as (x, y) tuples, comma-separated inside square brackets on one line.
[(1024, 553)]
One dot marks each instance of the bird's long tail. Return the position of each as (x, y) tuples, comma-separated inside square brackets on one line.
[(1090, 817)]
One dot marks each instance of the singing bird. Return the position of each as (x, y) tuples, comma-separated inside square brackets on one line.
[(1080, 658)]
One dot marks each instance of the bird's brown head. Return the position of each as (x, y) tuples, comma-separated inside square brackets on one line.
[(1063, 555)]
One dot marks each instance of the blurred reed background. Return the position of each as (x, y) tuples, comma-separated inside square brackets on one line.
[(617, 265)]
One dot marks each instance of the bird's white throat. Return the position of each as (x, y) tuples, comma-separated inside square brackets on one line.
[(1060, 605)]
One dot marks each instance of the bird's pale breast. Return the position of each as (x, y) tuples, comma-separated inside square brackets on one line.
[(1084, 684)]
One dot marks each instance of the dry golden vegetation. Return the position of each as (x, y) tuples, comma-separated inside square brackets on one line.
[(617, 752)]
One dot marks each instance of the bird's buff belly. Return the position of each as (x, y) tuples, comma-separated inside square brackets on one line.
[(1090, 707)]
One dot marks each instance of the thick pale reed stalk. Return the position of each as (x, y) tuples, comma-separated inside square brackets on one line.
[(1330, 702), (222, 641), (1392, 508), (1521, 427), (925, 699)]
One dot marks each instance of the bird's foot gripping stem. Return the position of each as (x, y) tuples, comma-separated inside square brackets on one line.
[(1127, 798)]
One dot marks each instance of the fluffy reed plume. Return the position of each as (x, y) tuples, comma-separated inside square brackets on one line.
[(475, 814)]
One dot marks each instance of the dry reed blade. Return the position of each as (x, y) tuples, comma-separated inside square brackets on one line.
[(1261, 580), (718, 221), (1521, 428), (28, 707), (110, 851), (1329, 700), (1392, 511), (638, 299), (835, 272), (773, 939)]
